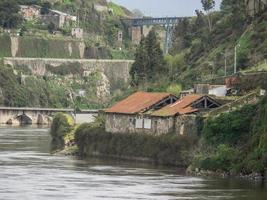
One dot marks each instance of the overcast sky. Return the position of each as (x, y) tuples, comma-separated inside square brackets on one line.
[(163, 8)]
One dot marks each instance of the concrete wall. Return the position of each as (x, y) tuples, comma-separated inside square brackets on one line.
[(41, 47), (115, 71)]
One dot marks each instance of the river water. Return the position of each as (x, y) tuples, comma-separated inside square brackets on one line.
[(29, 172)]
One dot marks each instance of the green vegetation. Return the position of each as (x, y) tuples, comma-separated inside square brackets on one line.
[(18, 91), (201, 43), (92, 140), (41, 47), (9, 14), (235, 142), (149, 62), (5, 50), (61, 130)]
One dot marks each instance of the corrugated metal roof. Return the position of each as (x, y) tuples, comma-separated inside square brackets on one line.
[(182, 106), (137, 102)]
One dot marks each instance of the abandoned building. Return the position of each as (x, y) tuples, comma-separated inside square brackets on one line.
[(29, 12), (158, 113), (216, 90), (60, 19)]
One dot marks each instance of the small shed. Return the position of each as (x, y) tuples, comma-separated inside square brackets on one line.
[(131, 115), (158, 113), (185, 113)]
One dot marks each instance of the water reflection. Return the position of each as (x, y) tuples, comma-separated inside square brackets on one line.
[(28, 171)]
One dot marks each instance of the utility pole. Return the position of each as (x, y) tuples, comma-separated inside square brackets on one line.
[(235, 65), (225, 64)]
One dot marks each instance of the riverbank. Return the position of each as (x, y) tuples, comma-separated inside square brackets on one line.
[(167, 149), (233, 144), (91, 140), (33, 172)]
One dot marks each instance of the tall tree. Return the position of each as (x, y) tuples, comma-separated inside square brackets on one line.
[(208, 6), (149, 61), (236, 12), (9, 14), (139, 67)]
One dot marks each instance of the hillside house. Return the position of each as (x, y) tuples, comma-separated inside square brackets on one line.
[(30, 12), (216, 90), (60, 19), (157, 113)]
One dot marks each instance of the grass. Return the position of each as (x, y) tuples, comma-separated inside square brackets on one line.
[(117, 10)]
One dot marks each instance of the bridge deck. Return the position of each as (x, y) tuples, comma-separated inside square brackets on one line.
[(46, 109), (153, 21)]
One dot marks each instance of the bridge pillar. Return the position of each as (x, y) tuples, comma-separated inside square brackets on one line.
[(168, 38), (136, 33)]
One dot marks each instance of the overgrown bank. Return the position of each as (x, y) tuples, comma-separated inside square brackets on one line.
[(235, 143), (166, 149), (232, 144), (62, 132), (92, 140)]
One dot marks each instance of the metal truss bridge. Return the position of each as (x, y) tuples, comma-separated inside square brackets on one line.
[(167, 22)]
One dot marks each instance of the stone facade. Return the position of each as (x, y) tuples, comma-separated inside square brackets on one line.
[(187, 125), (30, 12), (122, 123)]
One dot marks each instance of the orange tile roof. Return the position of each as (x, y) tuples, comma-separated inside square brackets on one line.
[(182, 106), (137, 102)]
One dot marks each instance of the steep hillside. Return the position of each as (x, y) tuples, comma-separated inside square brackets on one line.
[(199, 54), (235, 143)]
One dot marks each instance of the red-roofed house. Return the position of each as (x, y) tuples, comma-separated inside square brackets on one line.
[(157, 113)]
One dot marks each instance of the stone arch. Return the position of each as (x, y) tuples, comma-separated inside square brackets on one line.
[(24, 119)]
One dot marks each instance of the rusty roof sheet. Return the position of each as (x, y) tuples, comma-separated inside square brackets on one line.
[(182, 106), (137, 102)]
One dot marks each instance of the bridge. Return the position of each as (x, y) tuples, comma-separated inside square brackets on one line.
[(136, 25), (40, 116)]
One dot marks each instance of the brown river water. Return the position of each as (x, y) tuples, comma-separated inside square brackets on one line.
[(29, 172)]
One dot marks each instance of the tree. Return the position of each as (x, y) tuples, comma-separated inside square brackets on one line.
[(51, 27), (155, 65), (236, 12), (182, 36), (9, 14), (46, 6), (138, 70), (208, 5), (149, 61)]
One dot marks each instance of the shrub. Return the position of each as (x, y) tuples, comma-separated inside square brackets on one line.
[(62, 125), (165, 149), (229, 128)]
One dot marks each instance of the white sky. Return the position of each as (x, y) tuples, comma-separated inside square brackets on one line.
[(163, 8)]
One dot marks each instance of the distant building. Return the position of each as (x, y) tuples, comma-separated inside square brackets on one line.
[(30, 12), (216, 90), (77, 33), (60, 19), (157, 113)]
